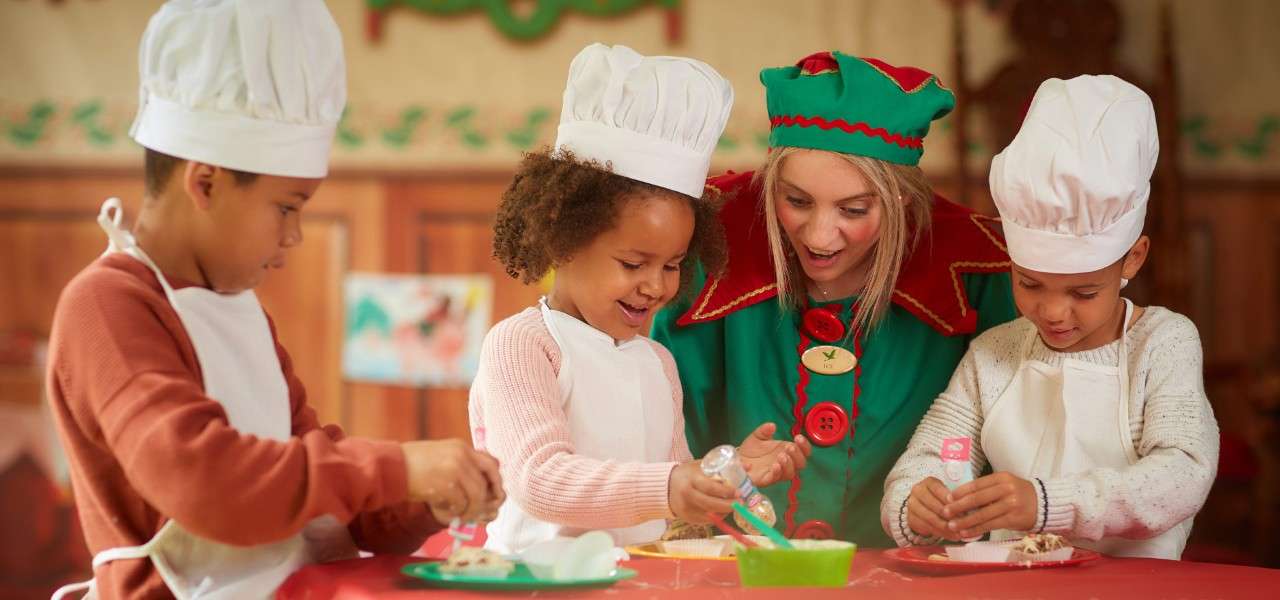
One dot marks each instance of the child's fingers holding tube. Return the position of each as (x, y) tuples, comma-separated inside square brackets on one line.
[(490, 469), (931, 494), (703, 503), (475, 487), (924, 521), (976, 500), (967, 524), (711, 486)]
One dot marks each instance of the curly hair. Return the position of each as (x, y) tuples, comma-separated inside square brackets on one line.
[(557, 204)]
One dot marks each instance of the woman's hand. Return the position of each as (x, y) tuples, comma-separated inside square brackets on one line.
[(769, 461)]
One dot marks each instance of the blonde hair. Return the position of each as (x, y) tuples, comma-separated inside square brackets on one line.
[(906, 201)]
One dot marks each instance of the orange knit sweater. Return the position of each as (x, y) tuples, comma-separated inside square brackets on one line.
[(146, 445)]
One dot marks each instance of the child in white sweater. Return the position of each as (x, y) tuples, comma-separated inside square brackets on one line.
[(1089, 411)]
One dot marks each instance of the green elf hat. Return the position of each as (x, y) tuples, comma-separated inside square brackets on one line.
[(864, 106)]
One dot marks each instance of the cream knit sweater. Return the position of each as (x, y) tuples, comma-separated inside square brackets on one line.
[(1173, 427)]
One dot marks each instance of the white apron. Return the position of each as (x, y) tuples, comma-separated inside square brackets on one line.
[(617, 400), (242, 371), (1063, 421)]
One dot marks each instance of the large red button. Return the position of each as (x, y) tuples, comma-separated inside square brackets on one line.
[(821, 324), (814, 530), (826, 423)]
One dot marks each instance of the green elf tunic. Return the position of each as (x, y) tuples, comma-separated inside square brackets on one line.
[(738, 356)]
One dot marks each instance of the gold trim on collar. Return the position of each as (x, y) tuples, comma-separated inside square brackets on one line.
[(926, 311), (698, 315), (975, 217), (955, 278)]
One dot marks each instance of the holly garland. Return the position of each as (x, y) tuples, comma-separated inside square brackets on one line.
[(1256, 145), (543, 16), (97, 125), (85, 116)]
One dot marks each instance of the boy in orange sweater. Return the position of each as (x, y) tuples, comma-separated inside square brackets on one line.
[(197, 465)]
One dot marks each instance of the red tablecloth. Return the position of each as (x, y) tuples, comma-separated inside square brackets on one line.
[(873, 574)]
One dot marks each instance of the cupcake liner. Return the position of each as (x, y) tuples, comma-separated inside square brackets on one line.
[(981, 552), (1060, 554), (734, 546), (493, 572), (706, 548), (1004, 551)]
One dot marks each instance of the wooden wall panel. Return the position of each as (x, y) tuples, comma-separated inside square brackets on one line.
[(48, 233), (305, 301), (342, 231), (1240, 221), (439, 225)]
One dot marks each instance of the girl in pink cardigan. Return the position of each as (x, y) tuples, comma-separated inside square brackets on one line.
[(583, 411)]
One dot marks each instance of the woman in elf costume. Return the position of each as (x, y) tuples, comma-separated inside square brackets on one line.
[(851, 291)]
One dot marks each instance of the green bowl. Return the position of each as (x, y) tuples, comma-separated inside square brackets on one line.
[(826, 566)]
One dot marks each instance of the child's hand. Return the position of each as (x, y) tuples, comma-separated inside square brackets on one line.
[(925, 509), (453, 479), (692, 494), (769, 461), (998, 501)]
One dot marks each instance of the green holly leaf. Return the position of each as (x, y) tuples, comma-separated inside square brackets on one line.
[(30, 131), (86, 116), (526, 135), (474, 139), (460, 116), (1206, 148), (99, 137), (345, 135), (86, 112), (1256, 146), (402, 134), (1194, 124)]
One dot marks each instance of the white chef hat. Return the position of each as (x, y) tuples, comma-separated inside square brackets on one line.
[(1072, 187), (251, 85), (656, 119)]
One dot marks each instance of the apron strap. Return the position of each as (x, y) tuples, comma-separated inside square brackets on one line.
[(72, 588), (111, 554), (545, 309), (109, 219), (1028, 343), (123, 553), (120, 240), (1123, 418)]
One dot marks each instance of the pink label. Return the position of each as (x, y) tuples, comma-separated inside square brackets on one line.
[(463, 531), (956, 449)]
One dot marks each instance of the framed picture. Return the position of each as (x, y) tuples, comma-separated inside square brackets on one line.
[(415, 330)]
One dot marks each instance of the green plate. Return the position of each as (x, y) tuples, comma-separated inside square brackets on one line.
[(519, 579)]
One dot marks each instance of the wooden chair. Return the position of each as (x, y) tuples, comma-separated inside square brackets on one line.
[(1063, 39)]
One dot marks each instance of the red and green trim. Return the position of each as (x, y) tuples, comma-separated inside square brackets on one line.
[(852, 105), (863, 128)]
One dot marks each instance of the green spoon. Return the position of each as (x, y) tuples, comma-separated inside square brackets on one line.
[(778, 539)]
